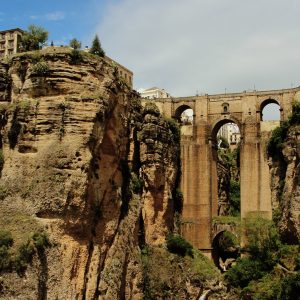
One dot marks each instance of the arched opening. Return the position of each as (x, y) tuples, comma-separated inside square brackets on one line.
[(270, 110), (226, 170), (184, 114), (226, 249)]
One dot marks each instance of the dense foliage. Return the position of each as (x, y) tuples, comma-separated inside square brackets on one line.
[(19, 259), (279, 134), (271, 269), (34, 38), (178, 245)]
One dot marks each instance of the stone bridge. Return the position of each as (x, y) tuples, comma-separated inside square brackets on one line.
[(199, 155)]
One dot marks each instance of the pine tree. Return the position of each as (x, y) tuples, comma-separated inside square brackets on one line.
[(96, 47)]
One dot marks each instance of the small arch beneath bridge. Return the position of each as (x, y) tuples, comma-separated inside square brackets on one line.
[(226, 249)]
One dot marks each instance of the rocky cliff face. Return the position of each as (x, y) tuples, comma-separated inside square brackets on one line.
[(83, 162), (285, 185)]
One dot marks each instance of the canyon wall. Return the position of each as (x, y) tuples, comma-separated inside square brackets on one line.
[(85, 165)]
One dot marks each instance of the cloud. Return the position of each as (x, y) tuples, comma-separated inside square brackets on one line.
[(205, 45), (55, 16)]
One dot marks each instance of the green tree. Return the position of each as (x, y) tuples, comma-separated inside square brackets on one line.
[(96, 47), (75, 44), (34, 38)]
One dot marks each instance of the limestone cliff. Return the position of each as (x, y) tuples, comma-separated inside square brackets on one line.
[(285, 185), (64, 136), (82, 162)]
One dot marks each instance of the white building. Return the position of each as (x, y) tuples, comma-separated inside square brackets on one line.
[(153, 93), (231, 133)]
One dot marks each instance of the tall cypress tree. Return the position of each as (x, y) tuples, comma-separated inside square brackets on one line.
[(96, 47)]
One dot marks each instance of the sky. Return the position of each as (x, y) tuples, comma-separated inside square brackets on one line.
[(187, 47)]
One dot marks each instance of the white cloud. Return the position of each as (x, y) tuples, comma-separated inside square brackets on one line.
[(205, 45), (55, 16)]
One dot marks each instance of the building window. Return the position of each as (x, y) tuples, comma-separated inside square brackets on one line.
[(225, 108), (2, 36), (11, 35)]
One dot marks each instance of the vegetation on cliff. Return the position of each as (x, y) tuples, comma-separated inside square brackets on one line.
[(279, 134), (271, 269)]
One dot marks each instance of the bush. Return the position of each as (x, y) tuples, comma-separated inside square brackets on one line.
[(76, 57), (290, 287), (175, 129), (41, 68), (40, 240), (5, 238), (24, 257), (279, 134), (137, 184), (295, 117), (262, 240), (244, 271), (178, 245), (14, 130), (5, 258), (234, 198), (266, 288)]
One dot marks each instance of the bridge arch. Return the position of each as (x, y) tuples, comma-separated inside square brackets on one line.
[(184, 114), (225, 249), (222, 121), (265, 102)]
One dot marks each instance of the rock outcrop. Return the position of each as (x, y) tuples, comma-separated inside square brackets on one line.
[(285, 171), (85, 164)]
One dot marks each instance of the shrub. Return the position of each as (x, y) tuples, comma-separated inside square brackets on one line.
[(40, 240), (290, 287), (137, 184), (234, 198), (279, 134), (266, 288), (5, 258), (24, 257), (262, 240), (41, 68), (151, 108), (5, 238), (178, 245), (244, 271), (295, 117), (175, 129), (14, 130), (76, 57)]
